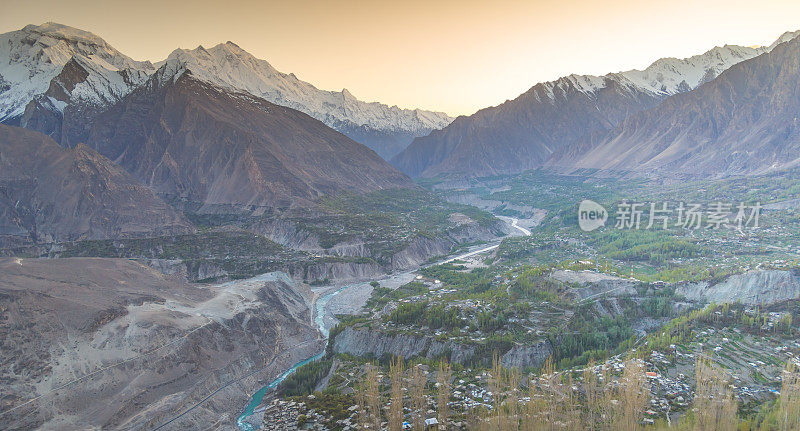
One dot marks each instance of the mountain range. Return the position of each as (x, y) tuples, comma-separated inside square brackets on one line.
[(58, 80), (97, 145), (741, 123), (553, 117), (385, 129), (52, 72)]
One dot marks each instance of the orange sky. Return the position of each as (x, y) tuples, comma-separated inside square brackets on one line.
[(455, 56)]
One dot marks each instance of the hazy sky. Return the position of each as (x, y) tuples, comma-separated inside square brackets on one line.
[(455, 56)]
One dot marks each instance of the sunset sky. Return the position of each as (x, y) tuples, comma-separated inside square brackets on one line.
[(453, 56)]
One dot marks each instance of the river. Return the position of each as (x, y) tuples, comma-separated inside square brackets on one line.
[(319, 319), (320, 313)]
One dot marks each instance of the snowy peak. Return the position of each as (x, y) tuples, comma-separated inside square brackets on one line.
[(789, 35), (97, 83), (551, 117), (741, 123), (669, 76), (666, 76), (229, 66), (32, 81), (57, 38), (347, 95), (32, 57)]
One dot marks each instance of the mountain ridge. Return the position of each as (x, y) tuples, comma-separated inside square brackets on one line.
[(525, 132), (32, 58), (230, 66), (49, 193), (743, 122)]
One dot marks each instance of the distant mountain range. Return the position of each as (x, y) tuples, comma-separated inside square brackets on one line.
[(116, 147), (743, 122), (558, 118), (52, 71)]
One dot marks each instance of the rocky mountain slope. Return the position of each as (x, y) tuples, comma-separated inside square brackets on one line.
[(525, 132), (112, 344), (221, 150), (55, 78), (385, 129), (48, 193), (743, 122)]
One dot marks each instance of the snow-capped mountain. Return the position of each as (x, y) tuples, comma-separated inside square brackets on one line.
[(666, 76), (785, 37), (669, 76), (31, 58), (385, 129), (742, 122), (524, 133), (46, 68)]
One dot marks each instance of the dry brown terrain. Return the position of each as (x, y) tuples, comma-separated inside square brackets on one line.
[(110, 343)]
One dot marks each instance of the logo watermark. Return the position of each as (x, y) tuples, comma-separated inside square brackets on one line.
[(591, 215), (668, 215)]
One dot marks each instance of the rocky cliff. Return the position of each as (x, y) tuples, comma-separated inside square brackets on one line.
[(416, 252), (523, 357), (365, 342), (750, 288)]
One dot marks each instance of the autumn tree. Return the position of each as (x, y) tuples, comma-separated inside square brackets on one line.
[(443, 376), (396, 403)]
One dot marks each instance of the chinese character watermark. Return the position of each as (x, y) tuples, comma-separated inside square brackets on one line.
[(667, 215)]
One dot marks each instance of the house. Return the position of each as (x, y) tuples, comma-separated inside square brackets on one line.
[(431, 423)]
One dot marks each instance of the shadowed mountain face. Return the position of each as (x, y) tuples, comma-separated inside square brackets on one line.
[(63, 111), (520, 134), (48, 193), (743, 122), (218, 149)]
